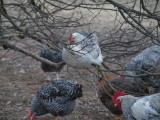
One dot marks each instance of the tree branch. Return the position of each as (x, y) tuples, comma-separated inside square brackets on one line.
[(38, 58)]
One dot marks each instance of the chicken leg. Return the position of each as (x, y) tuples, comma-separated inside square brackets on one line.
[(57, 77), (48, 77)]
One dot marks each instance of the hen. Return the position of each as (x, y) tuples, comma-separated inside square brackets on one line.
[(138, 108), (57, 98), (83, 50), (147, 61), (54, 56)]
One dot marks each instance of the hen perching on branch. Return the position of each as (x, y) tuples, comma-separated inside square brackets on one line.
[(83, 50)]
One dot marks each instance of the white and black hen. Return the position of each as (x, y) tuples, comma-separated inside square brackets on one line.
[(57, 98), (83, 50), (138, 108)]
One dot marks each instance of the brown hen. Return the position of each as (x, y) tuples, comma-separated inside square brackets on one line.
[(105, 92)]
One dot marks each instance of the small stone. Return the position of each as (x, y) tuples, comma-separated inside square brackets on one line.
[(8, 102), (19, 104), (3, 59), (15, 94), (32, 95), (9, 84), (22, 71), (19, 64)]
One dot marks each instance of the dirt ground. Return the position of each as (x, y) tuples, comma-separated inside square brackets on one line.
[(20, 79)]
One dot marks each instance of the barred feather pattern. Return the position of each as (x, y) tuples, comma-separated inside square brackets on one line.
[(57, 98)]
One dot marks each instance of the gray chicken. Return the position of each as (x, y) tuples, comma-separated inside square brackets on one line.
[(139, 108), (57, 98), (54, 56), (148, 60)]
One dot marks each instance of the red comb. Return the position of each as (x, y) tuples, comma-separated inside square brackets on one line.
[(29, 113), (70, 37), (121, 77), (117, 94)]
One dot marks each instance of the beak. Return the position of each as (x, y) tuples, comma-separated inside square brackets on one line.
[(115, 105)]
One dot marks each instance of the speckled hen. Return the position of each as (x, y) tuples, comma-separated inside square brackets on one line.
[(57, 98)]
